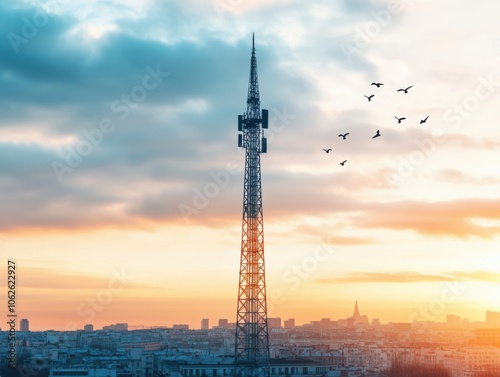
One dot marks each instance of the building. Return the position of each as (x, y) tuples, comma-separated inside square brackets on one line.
[(277, 368), (493, 317), (482, 359), (289, 323), (399, 326), (452, 319), (181, 327), (88, 328), (274, 323), (487, 336), (82, 372), (204, 324), (326, 323), (24, 325), (116, 327), (358, 320), (223, 323)]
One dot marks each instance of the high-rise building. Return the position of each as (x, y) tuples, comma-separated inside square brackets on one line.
[(204, 324), (24, 325), (88, 328), (493, 317), (289, 323), (274, 323), (223, 323)]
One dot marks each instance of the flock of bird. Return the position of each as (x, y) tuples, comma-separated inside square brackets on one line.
[(399, 119)]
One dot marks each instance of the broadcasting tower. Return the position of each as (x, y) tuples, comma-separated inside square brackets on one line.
[(252, 340)]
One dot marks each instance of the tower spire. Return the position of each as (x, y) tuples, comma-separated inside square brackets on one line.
[(253, 100), (252, 338), (356, 311)]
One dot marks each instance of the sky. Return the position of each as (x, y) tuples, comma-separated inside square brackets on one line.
[(122, 182)]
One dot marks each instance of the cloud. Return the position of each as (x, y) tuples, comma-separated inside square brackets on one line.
[(458, 176), (47, 278), (447, 218), (462, 142), (349, 240), (478, 275), (58, 88), (330, 234), (62, 83), (411, 277)]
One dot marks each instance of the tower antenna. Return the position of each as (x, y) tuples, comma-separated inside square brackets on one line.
[(252, 337)]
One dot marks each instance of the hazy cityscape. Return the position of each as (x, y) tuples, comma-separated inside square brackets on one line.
[(355, 346)]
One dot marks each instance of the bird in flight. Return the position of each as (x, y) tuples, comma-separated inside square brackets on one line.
[(405, 90), (377, 84), (344, 135), (327, 150), (424, 120), (399, 119), (370, 97), (343, 162), (377, 134)]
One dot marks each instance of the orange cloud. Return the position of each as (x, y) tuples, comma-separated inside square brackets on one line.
[(350, 241), (324, 232), (411, 277), (51, 279), (453, 218)]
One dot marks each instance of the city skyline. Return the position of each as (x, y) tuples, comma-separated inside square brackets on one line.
[(122, 181), (458, 349), (491, 322), (490, 318)]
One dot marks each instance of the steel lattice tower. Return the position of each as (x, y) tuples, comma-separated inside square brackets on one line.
[(252, 339)]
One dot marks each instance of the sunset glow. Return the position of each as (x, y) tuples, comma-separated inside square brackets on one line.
[(122, 182)]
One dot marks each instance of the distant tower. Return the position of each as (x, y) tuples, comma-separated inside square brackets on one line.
[(252, 339), (204, 324), (356, 311), (24, 325)]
